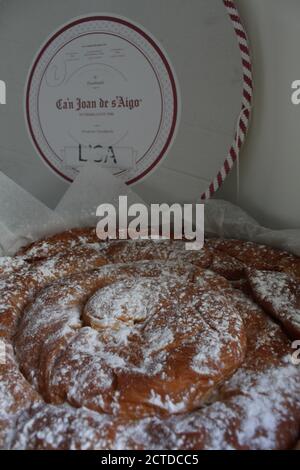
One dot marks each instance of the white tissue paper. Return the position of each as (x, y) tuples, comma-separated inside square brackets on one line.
[(24, 219), (92, 187), (225, 220)]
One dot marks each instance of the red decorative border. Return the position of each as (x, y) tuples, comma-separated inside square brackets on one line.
[(160, 53), (245, 114)]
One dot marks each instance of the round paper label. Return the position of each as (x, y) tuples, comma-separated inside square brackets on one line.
[(102, 90)]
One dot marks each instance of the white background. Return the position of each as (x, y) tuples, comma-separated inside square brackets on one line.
[(270, 161), (201, 44)]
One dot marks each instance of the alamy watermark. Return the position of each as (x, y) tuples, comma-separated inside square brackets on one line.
[(2, 353), (181, 222), (2, 92), (295, 357), (295, 97)]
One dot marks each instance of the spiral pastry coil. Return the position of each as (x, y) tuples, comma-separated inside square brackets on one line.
[(144, 345)]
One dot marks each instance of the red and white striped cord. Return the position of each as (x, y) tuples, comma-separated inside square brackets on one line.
[(247, 99)]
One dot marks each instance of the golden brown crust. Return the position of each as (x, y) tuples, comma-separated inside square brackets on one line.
[(144, 345), (47, 427), (279, 295), (259, 257), (57, 244)]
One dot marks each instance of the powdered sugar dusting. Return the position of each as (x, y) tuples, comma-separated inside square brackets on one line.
[(280, 295), (136, 344)]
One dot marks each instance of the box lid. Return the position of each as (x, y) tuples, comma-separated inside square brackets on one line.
[(151, 91)]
